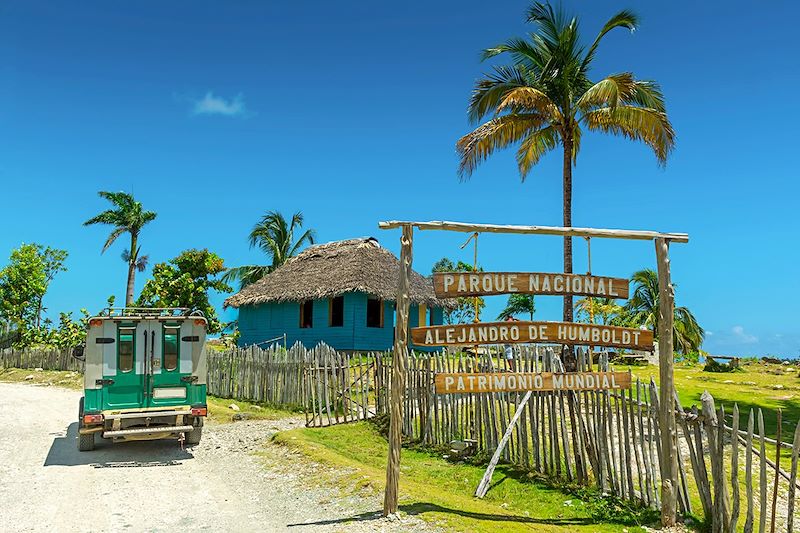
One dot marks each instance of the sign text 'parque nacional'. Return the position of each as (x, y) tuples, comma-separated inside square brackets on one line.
[(454, 284), (539, 332), (463, 383)]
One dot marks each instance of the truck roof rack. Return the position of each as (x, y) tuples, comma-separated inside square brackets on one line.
[(149, 311)]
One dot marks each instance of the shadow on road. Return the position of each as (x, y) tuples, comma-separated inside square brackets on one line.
[(64, 452), (421, 508)]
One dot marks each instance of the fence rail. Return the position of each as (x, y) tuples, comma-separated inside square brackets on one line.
[(611, 440)]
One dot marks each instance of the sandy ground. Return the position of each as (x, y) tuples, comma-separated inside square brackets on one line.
[(220, 485)]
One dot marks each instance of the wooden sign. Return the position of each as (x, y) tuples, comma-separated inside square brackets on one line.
[(546, 332), (463, 383), (454, 284)]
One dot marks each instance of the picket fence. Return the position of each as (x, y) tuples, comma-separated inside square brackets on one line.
[(730, 472)]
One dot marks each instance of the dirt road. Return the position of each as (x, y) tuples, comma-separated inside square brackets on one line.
[(47, 485)]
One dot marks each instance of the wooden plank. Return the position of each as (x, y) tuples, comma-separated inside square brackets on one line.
[(748, 480), (777, 470), (735, 468), (488, 382), (483, 486), (526, 332), (461, 284), (762, 517), (536, 230)]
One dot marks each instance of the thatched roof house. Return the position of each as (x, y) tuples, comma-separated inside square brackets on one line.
[(334, 290)]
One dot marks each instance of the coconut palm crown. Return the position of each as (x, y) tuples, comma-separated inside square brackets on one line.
[(128, 216), (274, 236), (546, 98), (642, 310)]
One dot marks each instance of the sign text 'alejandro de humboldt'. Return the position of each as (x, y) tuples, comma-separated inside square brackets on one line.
[(454, 284), (539, 332), (462, 383)]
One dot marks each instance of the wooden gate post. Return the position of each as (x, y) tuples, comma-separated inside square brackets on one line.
[(669, 435), (398, 374)]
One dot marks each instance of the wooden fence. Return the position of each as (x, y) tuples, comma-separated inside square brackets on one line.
[(729, 472)]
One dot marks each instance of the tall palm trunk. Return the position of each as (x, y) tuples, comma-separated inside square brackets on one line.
[(570, 362), (131, 271)]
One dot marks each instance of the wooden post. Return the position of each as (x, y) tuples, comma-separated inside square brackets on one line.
[(398, 374), (669, 435)]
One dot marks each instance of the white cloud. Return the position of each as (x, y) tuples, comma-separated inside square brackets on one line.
[(217, 105), (741, 336)]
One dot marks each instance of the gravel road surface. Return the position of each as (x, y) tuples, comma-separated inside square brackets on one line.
[(220, 485)]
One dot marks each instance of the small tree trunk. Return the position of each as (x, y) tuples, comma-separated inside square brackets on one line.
[(569, 359), (131, 272)]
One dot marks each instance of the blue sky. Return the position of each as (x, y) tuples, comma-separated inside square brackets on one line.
[(212, 113)]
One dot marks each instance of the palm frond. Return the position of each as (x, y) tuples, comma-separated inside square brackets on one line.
[(612, 91), (113, 237), (490, 90), (495, 134), (245, 275), (529, 99), (533, 147), (141, 263), (624, 19), (637, 123)]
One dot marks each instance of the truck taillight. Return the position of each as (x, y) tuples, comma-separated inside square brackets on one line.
[(92, 419), (96, 322), (200, 323), (199, 411)]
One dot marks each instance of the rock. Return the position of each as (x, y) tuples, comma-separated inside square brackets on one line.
[(29, 377), (777, 386), (728, 381), (233, 407), (38, 369), (240, 416), (748, 382), (257, 408)]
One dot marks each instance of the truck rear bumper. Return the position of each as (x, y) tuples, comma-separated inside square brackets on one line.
[(147, 432)]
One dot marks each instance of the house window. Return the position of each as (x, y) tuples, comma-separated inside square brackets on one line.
[(374, 313), (306, 314), (336, 312)]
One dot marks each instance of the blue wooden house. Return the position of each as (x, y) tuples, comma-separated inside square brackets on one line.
[(341, 293)]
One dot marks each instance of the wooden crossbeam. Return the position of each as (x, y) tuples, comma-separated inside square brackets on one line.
[(536, 230)]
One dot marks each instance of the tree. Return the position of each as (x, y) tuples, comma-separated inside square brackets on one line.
[(464, 311), (590, 309), (184, 282), (276, 238), (546, 98), (518, 304), (128, 216), (24, 283), (642, 311)]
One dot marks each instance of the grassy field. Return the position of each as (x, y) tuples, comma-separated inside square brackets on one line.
[(441, 492), (756, 385)]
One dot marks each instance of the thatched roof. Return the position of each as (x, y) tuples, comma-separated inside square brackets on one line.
[(332, 269)]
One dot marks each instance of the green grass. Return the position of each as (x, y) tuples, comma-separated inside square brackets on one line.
[(441, 492), (69, 380), (752, 387)]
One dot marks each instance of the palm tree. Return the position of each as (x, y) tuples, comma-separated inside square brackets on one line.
[(603, 308), (127, 217), (518, 304), (276, 238), (546, 98), (642, 310)]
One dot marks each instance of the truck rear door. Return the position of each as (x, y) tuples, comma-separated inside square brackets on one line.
[(166, 384)]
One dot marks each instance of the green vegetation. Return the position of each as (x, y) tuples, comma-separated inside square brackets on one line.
[(184, 282), (441, 492), (60, 378), (518, 304), (219, 410), (755, 385), (276, 238), (546, 98), (127, 217), (464, 311)]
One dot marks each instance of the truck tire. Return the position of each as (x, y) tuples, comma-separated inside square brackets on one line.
[(193, 437), (85, 442)]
